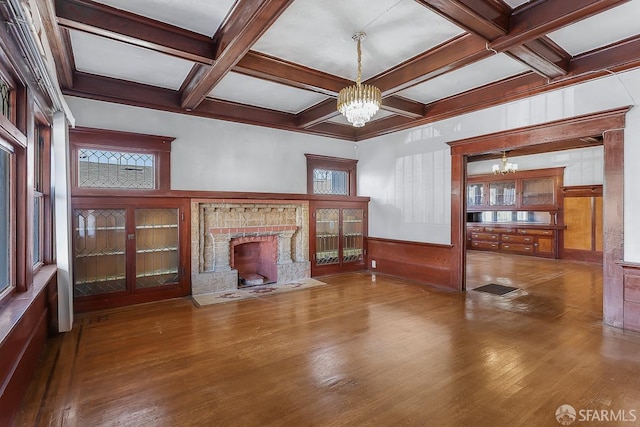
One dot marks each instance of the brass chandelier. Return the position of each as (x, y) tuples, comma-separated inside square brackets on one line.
[(506, 168), (359, 103)]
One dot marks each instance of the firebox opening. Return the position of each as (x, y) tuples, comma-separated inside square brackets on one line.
[(255, 262)]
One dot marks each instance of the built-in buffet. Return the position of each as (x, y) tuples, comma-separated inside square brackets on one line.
[(515, 212)]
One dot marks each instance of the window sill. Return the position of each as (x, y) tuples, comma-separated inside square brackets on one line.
[(15, 306)]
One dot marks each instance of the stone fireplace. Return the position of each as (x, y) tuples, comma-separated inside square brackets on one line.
[(254, 238)]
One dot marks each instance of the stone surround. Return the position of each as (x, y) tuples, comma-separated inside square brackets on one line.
[(214, 223)]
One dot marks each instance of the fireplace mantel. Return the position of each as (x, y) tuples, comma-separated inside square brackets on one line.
[(216, 222)]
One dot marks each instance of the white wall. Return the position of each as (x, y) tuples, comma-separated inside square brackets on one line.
[(217, 155), (583, 166), (393, 203)]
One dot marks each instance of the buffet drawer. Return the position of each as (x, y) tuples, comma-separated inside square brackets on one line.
[(485, 236), (535, 232), (485, 245), (511, 238), (517, 247)]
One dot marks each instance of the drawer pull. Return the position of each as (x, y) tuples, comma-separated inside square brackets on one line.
[(506, 246)]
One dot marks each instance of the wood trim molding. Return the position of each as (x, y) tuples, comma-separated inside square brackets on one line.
[(558, 130), (160, 146), (582, 191), (350, 166)]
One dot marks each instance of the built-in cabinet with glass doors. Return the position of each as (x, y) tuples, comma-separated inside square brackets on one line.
[(524, 190), (338, 237), (128, 252)]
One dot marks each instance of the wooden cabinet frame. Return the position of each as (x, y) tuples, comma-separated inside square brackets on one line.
[(554, 173), (317, 270), (134, 295)]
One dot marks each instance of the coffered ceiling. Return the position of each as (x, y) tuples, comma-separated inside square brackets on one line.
[(281, 63)]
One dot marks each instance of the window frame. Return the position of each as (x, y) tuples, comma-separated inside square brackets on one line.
[(315, 161), (13, 137), (12, 232), (109, 140), (42, 191)]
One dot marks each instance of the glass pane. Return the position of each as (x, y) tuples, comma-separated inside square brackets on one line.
[(37, 228), (327, 229), (537, 191), (157, 259), (113, 169), (352, 245), (100, 239), (5, 99), (330, 182), (5, 220), (475, 194), (502, 193)]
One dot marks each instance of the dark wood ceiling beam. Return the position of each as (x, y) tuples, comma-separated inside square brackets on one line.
[(547, 16), (59, 43), (447, 57), (129, 93), (482, 18), (618, 57), (116, 24), (266, 67), (383, 127), (318, 113), (403, 107), (248, 20), (331, 129), (542, 56)]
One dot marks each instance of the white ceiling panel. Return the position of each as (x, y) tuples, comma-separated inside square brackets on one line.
[(381, 114), (105, 57), (515, 3), (261, 93), (201, 16), (319, 34), (600, 30), (488, 70)]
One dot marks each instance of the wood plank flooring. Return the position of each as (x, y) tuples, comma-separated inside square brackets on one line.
[(363, 351)]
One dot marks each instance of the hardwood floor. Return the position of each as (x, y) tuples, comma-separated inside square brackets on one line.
[(364, 350)]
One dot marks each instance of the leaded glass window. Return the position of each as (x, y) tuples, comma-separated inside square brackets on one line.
[(5, 99), (115, 169), (327, 181)]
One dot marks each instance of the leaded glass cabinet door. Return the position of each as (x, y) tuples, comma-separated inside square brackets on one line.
[(99, 251), (327, 236), (157, 247), (502, 193), (352, 235), (337, 237)]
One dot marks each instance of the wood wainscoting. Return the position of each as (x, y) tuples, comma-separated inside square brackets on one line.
[(631, 295), (30, 318), (426, 263)]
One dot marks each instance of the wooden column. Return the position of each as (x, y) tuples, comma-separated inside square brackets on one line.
[(612, 275), (458, 229)]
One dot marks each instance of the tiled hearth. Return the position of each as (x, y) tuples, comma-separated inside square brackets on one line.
[(218, 225)]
